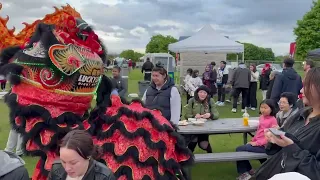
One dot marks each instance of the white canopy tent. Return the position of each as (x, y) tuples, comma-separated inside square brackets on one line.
[(207, 40)]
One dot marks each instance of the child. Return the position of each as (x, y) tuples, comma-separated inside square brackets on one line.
[(258, 142)]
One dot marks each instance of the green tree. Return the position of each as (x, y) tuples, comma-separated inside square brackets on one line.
[(131, 54), (253, 52), (127, 54), (137, 56), (308, 31), (159, 44)]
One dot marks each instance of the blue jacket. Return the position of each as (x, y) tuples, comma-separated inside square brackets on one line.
[(288, 81)]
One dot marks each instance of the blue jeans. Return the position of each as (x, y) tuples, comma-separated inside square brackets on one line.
[(245, 166)]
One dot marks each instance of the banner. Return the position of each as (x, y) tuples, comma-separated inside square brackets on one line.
[(292, 49)]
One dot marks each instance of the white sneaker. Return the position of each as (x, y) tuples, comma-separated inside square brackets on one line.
[(218, 102), (221, 104), (228, 101), (253, 109), (244, 176), (234, 110), (243, 110)]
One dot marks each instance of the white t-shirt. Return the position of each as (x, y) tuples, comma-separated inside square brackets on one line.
[(76, 178), (2, 77)]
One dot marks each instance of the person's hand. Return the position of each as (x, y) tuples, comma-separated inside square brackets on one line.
[(224, 86), (283, 141), (276, 127), (198, 116), (253, 143), (206, 115)]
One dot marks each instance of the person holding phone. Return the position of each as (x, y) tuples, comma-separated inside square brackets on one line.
[(298, 150), (257, 144)]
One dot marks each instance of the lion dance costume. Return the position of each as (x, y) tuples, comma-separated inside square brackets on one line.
[(56, 67)]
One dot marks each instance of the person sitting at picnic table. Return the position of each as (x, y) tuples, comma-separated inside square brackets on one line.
[(298, 150), (201, 106), (257, 144), (287, 107)]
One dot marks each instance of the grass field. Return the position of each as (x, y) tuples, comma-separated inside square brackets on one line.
[(220, 143)]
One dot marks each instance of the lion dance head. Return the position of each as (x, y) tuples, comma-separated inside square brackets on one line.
[(55, 66)]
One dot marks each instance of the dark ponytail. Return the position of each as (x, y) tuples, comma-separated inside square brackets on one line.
[(96, 152)]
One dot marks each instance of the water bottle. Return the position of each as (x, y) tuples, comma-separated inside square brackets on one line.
[(245, 118)]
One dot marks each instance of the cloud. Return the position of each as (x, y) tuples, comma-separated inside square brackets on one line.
[(129, 24)]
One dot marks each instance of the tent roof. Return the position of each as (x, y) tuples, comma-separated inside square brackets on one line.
[(314, 54), (207, 40)]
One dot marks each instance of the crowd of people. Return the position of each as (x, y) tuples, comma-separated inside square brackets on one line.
[(283, 93)]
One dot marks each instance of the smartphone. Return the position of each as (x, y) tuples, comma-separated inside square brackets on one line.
[(276, 132)]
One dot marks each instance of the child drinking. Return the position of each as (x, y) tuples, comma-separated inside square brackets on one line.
[(258, 142)]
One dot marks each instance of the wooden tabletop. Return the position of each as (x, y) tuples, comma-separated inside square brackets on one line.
[(220, 126)]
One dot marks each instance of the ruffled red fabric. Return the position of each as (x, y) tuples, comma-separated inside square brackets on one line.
[(122, 143), (56, 103)]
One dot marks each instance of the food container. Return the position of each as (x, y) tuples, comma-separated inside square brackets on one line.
[(253, 123), (198, 123)]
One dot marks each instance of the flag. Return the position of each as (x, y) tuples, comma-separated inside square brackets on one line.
[(292, 49)]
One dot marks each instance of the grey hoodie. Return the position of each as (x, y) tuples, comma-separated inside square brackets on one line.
[(241, 77), (9, 162)]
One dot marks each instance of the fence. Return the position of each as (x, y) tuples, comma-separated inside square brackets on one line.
[(298, 65)]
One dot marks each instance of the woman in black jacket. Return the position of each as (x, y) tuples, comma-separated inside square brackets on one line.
[(77, 154), (272, 78), (298, 150), (264, 80)]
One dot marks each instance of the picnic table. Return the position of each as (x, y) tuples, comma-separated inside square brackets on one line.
[(221, 126)]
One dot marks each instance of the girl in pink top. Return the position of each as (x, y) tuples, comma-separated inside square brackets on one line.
[(267, 120)]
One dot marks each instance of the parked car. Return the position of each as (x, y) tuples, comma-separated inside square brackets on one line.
[(274, 67)]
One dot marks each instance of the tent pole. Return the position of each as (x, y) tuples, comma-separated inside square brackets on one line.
[(243, 57)]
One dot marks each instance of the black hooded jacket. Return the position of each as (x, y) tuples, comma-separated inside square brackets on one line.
[(288, 81)]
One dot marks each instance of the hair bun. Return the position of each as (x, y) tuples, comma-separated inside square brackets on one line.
[(96, 152)]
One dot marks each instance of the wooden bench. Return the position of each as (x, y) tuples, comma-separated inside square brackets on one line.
[(228, 157)]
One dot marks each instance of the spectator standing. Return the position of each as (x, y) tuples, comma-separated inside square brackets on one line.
[(186, 80), (241, 82), (209, 79), (222, 79), (194, 82), (264, 79), (162, 94), (272, 77), (288, 81), (147, 68), (307, 65), (252, 95)]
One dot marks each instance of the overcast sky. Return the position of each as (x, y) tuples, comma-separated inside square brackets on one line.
[(129, 24)]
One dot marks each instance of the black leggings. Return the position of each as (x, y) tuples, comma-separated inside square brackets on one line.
[(252, 95), (201, 138), (3, 85), (221, 93)]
